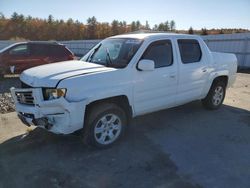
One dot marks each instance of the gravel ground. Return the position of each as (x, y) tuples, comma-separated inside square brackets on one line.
[(6, 102)]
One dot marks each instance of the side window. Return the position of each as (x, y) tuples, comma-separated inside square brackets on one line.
[(66, 51), (160, 52), (19, 50), (56, 50), (190, 50), (39, 50)]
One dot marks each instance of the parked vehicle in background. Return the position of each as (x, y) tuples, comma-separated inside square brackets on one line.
[(21, 56), (122, 77)]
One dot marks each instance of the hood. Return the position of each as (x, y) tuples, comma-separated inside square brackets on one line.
[(49, 75)]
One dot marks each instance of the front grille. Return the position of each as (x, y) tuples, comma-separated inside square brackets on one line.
[(25, 97)]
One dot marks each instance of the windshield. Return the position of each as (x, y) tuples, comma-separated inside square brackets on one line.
[(7, 47), (115, 52)]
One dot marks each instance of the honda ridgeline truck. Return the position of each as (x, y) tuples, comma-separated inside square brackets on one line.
[(123, 77)]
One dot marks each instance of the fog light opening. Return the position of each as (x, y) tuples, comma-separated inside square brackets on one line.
[(43, 122)]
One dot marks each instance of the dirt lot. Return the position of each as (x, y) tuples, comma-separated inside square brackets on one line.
[(186, 146)]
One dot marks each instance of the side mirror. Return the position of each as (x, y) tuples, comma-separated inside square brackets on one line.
[(146, 65)]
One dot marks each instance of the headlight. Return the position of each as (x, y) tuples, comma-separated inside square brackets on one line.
[(50, 94)]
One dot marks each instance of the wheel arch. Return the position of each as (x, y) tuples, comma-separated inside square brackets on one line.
[(208, 101), (214, 77), (223, 78), (121, 100)]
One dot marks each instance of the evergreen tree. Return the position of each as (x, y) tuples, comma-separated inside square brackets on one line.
[(138, 25), (191, 31), (92, 28), (115, 27), (172, 25), (133, 26), (147, 26), (203, 31)]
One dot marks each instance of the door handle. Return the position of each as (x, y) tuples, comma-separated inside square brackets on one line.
[(204, 70), (169, 76)]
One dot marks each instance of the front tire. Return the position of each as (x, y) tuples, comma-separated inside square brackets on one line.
[(215, 96), (105, 125)]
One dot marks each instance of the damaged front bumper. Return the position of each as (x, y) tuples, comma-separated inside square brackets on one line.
[(58, 115)]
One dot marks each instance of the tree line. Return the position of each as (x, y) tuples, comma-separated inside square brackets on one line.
[(214, 31), (20, 27), (28, 28)]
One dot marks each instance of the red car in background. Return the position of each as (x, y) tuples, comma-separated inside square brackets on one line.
[(20, 56)]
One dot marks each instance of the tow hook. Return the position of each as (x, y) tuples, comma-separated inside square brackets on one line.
[(42, 122)]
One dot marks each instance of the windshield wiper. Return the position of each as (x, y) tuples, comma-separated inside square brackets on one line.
[(89, 59), (109, 62)]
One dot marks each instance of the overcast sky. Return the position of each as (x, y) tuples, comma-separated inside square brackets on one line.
[(186, 13)]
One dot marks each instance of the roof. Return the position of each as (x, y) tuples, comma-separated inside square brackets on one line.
[(42, 42), (149, 35), (37, 42)]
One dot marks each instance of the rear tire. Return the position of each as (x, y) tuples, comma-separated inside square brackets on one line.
[(215, 96), (105, 124)]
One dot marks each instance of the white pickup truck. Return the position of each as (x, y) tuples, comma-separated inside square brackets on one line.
[(122, 77)]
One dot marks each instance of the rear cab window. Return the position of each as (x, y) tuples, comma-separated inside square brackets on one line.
[(190, 50)]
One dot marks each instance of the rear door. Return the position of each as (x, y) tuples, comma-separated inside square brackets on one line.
[(155, 90), (39, 54), (193, 70), (59, 53)]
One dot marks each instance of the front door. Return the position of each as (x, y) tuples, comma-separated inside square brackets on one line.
[(17, 58), (155, 90)]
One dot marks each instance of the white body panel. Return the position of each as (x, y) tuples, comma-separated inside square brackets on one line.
[(155, 90), (146, 91), (192, 77)]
